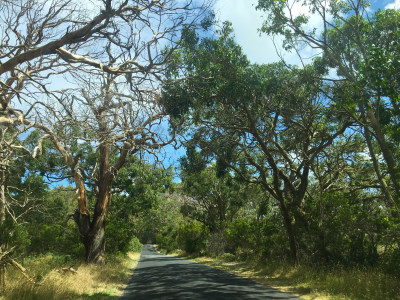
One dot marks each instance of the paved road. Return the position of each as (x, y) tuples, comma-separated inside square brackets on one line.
[(159, 276)]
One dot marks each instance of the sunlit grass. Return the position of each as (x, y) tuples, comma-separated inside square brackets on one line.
[(90, 282), (313, 282)]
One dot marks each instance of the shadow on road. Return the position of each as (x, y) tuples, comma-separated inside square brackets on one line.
[(163, 277)]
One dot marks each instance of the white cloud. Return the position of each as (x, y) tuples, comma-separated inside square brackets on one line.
[(393, 5), (246, 21)]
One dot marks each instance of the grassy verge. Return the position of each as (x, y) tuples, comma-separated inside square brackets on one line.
[(310, 282), (90, 282)]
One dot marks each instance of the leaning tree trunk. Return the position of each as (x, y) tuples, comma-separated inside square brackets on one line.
[(388, 196), (387, 153), (92, 233)]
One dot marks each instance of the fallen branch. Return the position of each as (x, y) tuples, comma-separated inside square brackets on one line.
[(5, 259), (22, 269)]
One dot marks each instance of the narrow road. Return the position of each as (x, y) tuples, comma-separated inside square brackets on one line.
[(159, 276)]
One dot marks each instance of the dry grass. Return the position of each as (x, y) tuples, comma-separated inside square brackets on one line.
[(313, 283), (90, 281)]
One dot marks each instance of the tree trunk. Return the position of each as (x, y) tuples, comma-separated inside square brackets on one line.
[(387, 153), (289, 230), (95, 247), (2, 197), (321, 233), (82, 216), (388, 196)]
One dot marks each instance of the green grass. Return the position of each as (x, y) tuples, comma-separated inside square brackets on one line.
[(311, 282), (90, 282)]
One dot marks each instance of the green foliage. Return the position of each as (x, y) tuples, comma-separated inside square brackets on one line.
[(135, 245), (140, 187), (263, 238), (192, 236), (240, 234), (167, 239), (217, 195), (15, 235)]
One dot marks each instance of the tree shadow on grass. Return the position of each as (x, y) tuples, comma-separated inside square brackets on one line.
[(258, 273)]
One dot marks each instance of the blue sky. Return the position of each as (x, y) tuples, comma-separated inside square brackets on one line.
[(259, 48), (246, 20)]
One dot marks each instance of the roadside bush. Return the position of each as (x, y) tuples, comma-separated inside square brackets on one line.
[(55, 238), (167, 239), (241, 236), (135, 245), (228, 257), (118, 236), (192, 236), (45, 238)]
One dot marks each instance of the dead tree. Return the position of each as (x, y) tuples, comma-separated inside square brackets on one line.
[(46, 44)]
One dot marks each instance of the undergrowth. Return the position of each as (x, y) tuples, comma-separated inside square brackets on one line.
[(90, 282), (312, 282)]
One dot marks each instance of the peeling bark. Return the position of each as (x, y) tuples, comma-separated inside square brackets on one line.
[(82, 204), (95, 242)]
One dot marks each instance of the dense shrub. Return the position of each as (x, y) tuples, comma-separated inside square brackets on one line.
[(192, 237), (167, 239), (135, 245), (241, 236)]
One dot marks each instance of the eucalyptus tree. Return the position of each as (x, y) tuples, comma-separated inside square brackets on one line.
[(45, 45), (265, 122), (363, 47), (114, 124)]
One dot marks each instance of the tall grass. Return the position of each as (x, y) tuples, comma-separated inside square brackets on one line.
[(90, 282), (313, 282)]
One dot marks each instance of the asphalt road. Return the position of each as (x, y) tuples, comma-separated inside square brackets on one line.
[(159, 276)]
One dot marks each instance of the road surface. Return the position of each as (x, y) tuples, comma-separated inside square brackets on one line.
[(159, 276)]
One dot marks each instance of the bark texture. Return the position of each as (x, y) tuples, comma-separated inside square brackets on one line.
[(2, 197)]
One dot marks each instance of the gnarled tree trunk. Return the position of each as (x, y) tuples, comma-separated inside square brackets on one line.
[(93, 232), (95, 247)]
